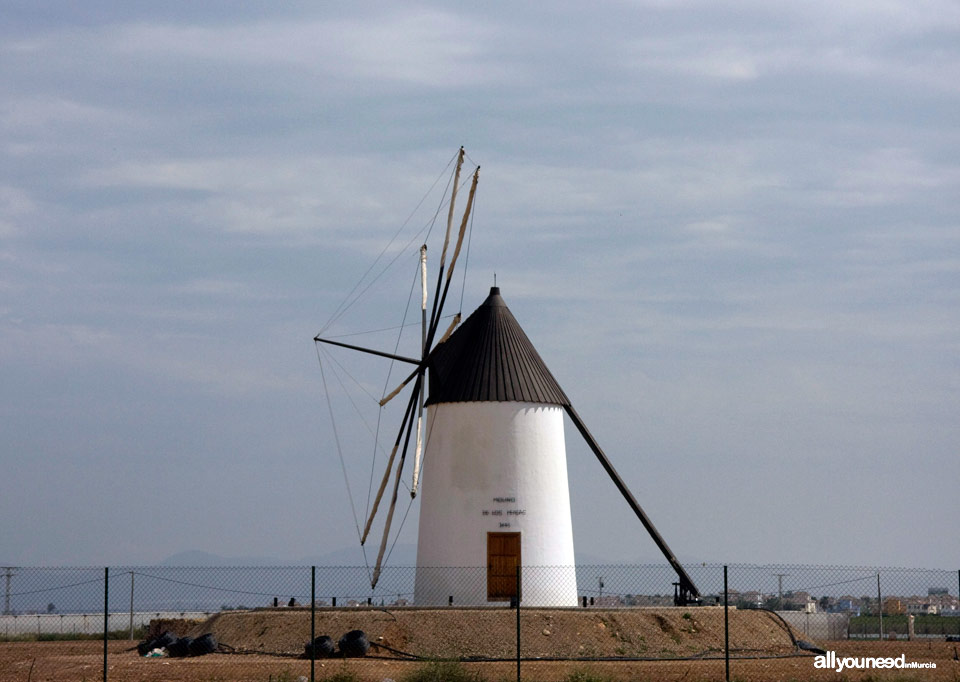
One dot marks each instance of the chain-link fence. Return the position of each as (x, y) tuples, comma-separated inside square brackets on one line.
[(563, 613), (852, 602)]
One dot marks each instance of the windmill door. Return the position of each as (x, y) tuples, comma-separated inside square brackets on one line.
[(503, 560)]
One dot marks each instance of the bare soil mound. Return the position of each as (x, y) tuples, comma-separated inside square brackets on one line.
[(491, 633)]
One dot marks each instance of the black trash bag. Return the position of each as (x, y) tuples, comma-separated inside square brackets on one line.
[(807, 646), (180, 648), (321, 647), (204, 644), (148, 645), (354, 643)]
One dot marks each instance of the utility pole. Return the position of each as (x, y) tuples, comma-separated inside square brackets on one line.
[(780, 577), (8, 572)]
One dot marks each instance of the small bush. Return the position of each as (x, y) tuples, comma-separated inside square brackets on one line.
[(442, 671)]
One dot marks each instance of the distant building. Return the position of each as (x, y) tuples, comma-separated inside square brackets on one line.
[(799, 601), (609, 600), (846, 605), (893, 606)]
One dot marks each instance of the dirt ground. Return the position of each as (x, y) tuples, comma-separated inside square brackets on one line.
[(83, 661), (272, 638)]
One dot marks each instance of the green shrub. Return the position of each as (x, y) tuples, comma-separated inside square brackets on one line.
[(442, 671)]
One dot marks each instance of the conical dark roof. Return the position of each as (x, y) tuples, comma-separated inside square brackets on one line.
[(490, 359)]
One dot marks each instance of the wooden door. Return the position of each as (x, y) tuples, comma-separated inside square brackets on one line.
[(503, 559)]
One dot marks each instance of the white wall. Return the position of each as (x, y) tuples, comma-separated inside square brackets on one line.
[(85, 623), (824, 626), (494, 467)]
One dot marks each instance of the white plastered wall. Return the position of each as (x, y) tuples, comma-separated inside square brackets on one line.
[(494, 467)]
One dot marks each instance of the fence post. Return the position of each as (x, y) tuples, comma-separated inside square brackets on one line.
[(879, 605), (313, 622), (518, 622), (726, 628), (106, 616), (131, 606)]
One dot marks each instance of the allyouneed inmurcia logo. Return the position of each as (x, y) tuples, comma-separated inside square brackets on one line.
[(830, 660)]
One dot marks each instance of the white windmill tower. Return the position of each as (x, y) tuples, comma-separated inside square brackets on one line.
[(496, 493), (495, 505)]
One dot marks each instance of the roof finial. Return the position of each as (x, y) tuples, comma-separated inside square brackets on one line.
[(494, 279)]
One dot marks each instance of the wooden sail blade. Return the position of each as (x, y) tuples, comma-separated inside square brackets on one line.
[(463, 223), (418, 452), (453, 201), (393, 501), (453, 325), (376, 500), (423, 291), (446, 239), (386, 474), (386, 529), (438, 309), (394, 392), (686, 583)]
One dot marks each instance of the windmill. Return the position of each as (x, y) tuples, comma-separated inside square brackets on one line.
[(497, 493)]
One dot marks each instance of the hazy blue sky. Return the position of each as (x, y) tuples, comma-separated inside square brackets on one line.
[(732, 231)]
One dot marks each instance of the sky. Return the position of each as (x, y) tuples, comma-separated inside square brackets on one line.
[(731, 230)]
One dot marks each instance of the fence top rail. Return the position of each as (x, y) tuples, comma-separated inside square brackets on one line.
[(127, 568)]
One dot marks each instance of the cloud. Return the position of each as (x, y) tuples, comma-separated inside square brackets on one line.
[(730, 229), (15, 205), (420, 47)]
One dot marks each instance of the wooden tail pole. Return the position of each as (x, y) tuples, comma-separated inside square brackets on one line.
[(688, 591)]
